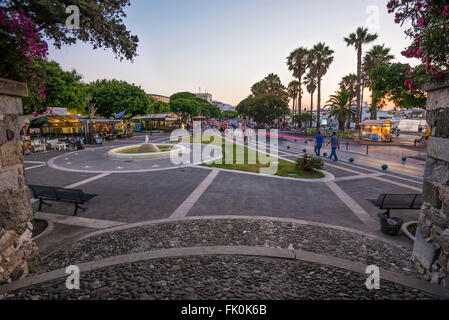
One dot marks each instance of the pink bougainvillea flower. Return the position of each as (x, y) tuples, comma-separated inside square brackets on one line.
[(446, 11), (407, 72), (421, 22)]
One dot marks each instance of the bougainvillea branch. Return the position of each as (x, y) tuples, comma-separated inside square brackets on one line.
[(21, 48), (429, 32)]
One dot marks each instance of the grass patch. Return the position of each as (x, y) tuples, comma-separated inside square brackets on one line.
[(285, 168)]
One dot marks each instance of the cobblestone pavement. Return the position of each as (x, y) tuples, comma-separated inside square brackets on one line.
[(234, 232), (218, 277)]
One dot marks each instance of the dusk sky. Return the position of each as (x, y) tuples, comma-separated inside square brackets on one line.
[(226, 46)]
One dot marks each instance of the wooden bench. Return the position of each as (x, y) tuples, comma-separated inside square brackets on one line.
[(390, 201), (75, 196)]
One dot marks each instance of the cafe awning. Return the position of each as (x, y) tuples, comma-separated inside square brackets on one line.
[(56, 121), (377, 123), (161, 116)]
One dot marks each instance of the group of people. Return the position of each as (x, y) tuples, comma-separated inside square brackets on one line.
[(334, 142)]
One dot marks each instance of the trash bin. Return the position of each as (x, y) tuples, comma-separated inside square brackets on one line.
[(390, 226)]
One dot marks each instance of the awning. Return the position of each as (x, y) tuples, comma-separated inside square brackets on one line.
[(56, 121), (377, 122)]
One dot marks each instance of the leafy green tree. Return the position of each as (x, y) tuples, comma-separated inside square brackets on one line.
[(243, 108), (388, 85), (185, 108), (101, 23), (378, 55), (270, 85), (25, 23), (358, 39), (63, 89), (109, 97), (340, 107), (161, 107), (229, 114), (320, 59), (266, 109)]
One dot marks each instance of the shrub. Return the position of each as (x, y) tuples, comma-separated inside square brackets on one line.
[(309, 163)]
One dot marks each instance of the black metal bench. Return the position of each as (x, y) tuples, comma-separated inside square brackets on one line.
[(390, 201), (75, 196)]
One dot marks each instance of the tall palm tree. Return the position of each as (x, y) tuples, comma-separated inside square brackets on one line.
[(319, 62), (292, 89), (378, 56), (297, 63), (311, 84), (349, 83), (340, 107), (358, 39)]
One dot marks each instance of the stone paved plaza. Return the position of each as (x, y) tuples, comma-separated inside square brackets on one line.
[(156, 231)]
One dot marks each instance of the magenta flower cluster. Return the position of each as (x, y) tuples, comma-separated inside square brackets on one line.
[(30, 47), (429, 32)]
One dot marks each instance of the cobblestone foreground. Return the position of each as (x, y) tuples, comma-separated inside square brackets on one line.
[(231, 232), (219, 277), (209, 276)]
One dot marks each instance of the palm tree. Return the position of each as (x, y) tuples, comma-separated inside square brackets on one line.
[(349, 83), (319, 62), (292, 89), (358, 39), (379, 55), (340, 104), (311, 84), (297, 63)]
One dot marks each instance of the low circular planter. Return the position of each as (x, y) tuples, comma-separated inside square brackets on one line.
[(41, 228), (119, 153), (409, 229)]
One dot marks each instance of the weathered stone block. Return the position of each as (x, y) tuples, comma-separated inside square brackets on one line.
[(439, 120), (9, 128), (428, 169), (11, 153), (426, 253), (441, 174), (15, 209), (13, 88), (425, 226), (437, 218), (10, 105), (438, 148), (9, 180), (431, 194)]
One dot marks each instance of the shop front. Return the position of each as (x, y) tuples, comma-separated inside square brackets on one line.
[(162, 121), (377, 130)]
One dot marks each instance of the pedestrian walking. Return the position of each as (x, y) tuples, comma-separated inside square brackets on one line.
[(318, 143), (335, 143)]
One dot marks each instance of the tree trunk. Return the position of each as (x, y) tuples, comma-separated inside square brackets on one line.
[(361, 103), (318, 107), (293, 112), (299, 102), (311, 109), (373, 109), (359, 80), (341, 124)]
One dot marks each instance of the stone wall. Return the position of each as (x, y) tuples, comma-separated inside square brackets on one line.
[(18, 254), (431, 249)]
